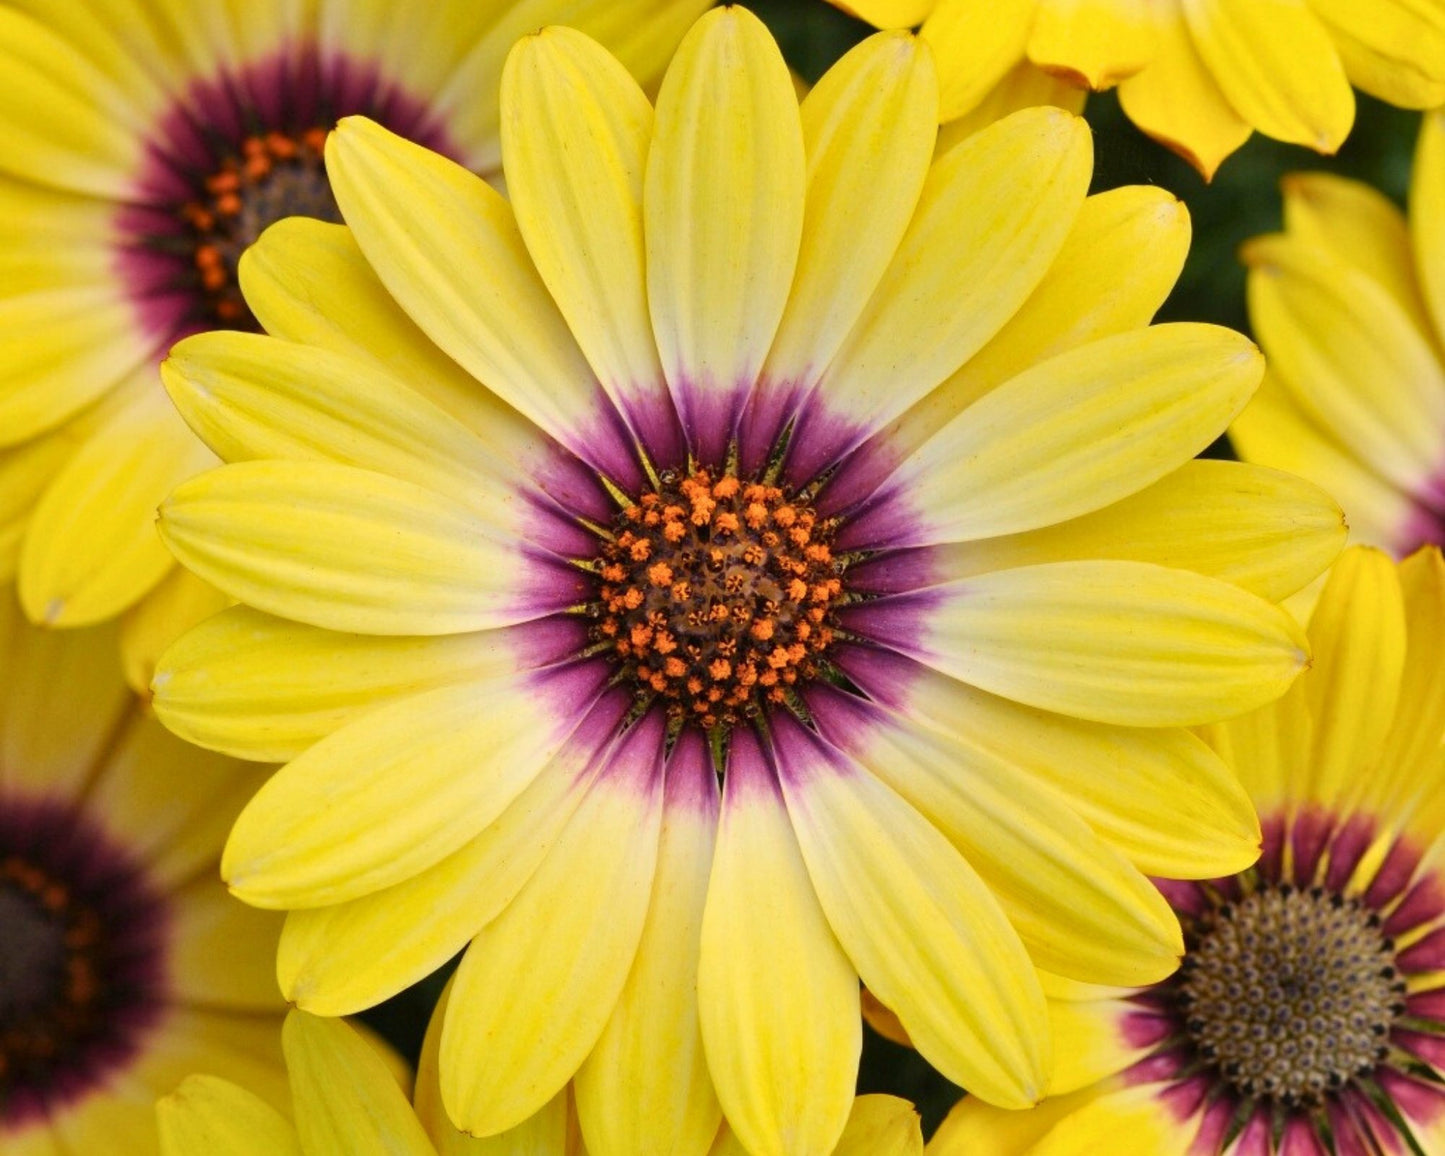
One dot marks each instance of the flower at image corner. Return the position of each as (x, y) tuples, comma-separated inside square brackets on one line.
[(124, 965), (1307, 1018), (1349, 303), (146, 146), (825, 597), (1196, 75), (344, 1100)]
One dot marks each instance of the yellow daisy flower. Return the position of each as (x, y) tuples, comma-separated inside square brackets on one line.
[(802, 465), (146, 145), (1196, 75), (1349, 302), (124, 964), (345, 1100), (1308, 1018)]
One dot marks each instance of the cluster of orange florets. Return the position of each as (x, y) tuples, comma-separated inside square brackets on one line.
[(718, 595), (38, 1034), (274, 176)]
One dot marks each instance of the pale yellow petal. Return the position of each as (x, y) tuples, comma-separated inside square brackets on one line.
[(1274, 62), (723, 212), (208, 1116), (993, 215), (1120, 1121), (349, 549), (926, 934), (447, 247), (345, 1097), (1117, 265), (178, 603), (1265, 530), (1080, 431), (575, 136), (777, 997), (92, 550), (645, 1087), (1022, 86), (868, 129), (1092, 42), (1427, 215), (1393, 50), (263, 688), (524, 1014), (1333, 335), (881, 1126), (1090, 1041), (421, 777), (1119, 642)]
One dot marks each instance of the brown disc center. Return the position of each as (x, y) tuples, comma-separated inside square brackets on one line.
[(275, 176), (718, 595), (1290, 994)]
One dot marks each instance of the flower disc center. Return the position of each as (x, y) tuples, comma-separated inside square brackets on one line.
[(718, 595), (1291, 993), (275, 176)]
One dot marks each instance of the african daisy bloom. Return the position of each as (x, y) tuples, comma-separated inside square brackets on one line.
[(1349, 302), (1196, 75), (794, 571), (146, 145), (124, 964), (1307, 1018), (345, 1100)]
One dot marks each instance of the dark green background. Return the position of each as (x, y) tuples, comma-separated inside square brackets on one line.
[(1242, 201)]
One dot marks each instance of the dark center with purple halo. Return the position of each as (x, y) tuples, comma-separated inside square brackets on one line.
[(82, 959), (1288, 994), (718, 596), (233, 156)]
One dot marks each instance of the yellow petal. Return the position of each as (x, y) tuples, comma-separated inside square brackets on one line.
[(263, 688), (1267, 531), (1360, 226), (1088, 1026), (179, 602), (575, 136), (1357, 636), (723, 212), (1419, 719), (868, 128), (1117, 265), (345, 1097), (975, 48), (524, 1014), (308, 282), (344, 958), (542, 1134), (207, 1116), (926, 934), (645, 1086), (447, 247), (1333, 334), (994, 213), (249, 396), (62, 700), (1124, 1122), (1394, 50), (889, 13), (1118, 642), (420, 778), (1177, 101), (881, 1126), (1274, 62), (1080, 907), (92, 550), (349, 549), (223, 953), (777, 997), (1092, 42), (1427, 215), (1159, 796), (26, 470), (1275, 432), (65, 122), (1080, 431)]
